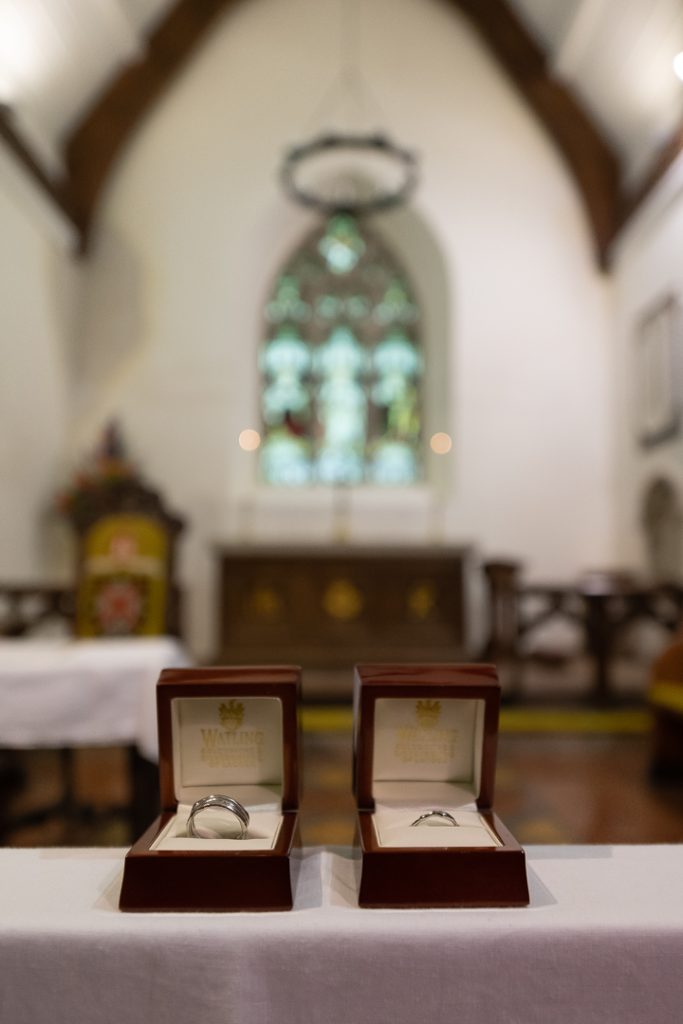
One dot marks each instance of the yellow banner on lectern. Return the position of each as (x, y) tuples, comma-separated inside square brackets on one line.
[(123, 587)]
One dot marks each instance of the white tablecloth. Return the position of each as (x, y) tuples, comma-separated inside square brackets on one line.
[(602, 942), (70, 693)]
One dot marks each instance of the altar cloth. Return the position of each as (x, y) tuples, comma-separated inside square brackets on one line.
[(71, 693), (602, 941)]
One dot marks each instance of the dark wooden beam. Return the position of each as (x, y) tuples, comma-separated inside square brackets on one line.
[(55, 189), (96, 142), (591, 159), (661, 163)]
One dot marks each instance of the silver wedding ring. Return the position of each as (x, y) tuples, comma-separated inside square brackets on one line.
[(446, 818), (222, 817)]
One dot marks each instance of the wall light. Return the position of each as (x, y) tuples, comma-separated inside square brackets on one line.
[(440, 443), (678, 65), (249, 440)]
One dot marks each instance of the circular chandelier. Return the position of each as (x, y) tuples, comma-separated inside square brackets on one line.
[(358, 193)]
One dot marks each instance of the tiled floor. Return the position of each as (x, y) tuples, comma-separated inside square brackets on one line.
[(549, 789), (552, 787)]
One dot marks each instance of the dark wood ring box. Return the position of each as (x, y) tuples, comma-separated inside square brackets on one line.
[(231, 731), (425, 738)]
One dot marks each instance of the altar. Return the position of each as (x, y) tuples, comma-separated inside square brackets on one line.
[(332, 607)]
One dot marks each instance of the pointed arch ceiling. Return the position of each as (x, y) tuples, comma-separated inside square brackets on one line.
[(94, 145)]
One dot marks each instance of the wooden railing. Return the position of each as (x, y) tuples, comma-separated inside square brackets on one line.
[(24, 607), (601, 604)]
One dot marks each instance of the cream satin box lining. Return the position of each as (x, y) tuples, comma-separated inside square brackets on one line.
[(427, 755), (232, 747), (265, 819), (394, 814), (221, 745)]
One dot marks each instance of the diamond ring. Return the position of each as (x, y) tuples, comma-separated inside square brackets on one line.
[(446, 818)]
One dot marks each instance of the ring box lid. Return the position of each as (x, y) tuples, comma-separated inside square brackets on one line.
[(229, 730), (433, 726)]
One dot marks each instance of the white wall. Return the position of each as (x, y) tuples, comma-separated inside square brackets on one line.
[(38, 293), (194, 226), (647, 270)]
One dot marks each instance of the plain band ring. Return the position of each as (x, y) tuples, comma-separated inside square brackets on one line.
[(225, 803), (436, 813)]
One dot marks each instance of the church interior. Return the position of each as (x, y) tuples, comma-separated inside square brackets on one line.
[(373, 309)]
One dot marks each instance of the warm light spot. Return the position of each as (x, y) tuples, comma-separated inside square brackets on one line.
[(249, 440), (440, 443), (678, 65)]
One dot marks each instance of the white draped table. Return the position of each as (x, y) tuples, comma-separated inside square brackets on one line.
[(601, 942), (76, 693)]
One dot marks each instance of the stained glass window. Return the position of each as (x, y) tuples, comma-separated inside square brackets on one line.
[(341, 364)]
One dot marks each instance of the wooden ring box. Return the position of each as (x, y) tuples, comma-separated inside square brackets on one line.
[(232, 731), (425, 738)]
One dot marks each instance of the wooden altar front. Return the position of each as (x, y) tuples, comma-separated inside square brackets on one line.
[(334, 607)]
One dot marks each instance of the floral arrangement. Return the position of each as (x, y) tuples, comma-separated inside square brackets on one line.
[(107, 468)]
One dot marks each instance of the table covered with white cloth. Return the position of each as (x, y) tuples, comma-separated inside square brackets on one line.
[(70, 693), (602, 941)]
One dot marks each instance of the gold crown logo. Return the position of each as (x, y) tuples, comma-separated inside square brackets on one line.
[(231, 715), (427, 712)]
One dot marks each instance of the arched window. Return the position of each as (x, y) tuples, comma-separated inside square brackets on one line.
[(341, 364), (662, 519)]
